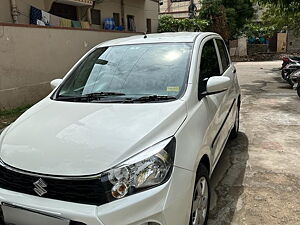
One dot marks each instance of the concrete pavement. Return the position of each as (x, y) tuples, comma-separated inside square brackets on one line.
[(256, 181)]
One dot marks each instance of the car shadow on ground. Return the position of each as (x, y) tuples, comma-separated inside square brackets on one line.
[(256, 87), (227, 181)]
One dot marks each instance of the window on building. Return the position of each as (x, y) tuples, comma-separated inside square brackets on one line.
[(63, 10), (149, 26), (96, 16), (131, 23), (116, 17)]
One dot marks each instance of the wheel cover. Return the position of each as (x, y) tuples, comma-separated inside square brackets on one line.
[(200, 202)]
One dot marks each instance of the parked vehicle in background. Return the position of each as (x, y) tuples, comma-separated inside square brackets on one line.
[(131, 135), (288, 70), (295, 77), (289, 60)]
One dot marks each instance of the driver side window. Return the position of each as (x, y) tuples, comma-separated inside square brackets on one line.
[(209, 65)]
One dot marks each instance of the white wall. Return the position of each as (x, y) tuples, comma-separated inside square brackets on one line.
[(31, 57), (151, 12), (108, 7), (140, 9)]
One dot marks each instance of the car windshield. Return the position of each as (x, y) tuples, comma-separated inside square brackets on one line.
[(130, 71)]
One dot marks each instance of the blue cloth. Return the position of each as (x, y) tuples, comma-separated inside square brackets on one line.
[(109, 24), (120, 28), (35, 14)]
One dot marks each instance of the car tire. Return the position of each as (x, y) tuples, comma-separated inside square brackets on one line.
[(235, 130), (201, 198), (298, 90)]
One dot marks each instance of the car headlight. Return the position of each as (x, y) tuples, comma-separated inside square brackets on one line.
[(150, 168)]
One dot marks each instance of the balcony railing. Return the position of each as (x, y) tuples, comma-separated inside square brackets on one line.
[(76, 2)]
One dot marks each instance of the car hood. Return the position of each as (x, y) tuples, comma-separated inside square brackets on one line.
[(77, 139)]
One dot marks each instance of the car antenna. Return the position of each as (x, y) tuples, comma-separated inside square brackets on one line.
[(145, 35)]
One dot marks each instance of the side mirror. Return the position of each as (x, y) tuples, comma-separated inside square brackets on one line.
[(217, 84), (55, 83)]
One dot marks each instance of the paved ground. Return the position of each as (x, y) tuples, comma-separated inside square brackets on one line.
[(257, 180)]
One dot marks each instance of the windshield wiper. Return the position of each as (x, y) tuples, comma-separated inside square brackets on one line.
[(150, 98), (103, 94), (89, 97)]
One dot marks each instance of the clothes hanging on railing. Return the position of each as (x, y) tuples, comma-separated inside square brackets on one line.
[(109, 24), (54, 20), (85, 25), (76, 24), (35, 15), (42, 18), (46, 18), (65, 22)]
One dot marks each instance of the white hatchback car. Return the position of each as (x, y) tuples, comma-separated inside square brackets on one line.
[(131, 135)]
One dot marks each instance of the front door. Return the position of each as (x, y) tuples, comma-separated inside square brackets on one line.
[(217, 104)]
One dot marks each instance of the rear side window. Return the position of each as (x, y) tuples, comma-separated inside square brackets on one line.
[(223, 54)]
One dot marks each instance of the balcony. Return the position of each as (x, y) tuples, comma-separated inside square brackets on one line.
[(76, 2)]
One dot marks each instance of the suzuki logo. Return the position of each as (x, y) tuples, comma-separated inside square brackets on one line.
[(40, 186)]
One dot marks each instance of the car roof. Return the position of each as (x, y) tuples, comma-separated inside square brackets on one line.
[(156, 38)]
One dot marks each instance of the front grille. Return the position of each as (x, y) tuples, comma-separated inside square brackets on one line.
[(89, 191)]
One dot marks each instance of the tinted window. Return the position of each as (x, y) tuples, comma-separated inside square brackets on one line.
[(223, 54), (209, 61), (135, 70), (209, 65)]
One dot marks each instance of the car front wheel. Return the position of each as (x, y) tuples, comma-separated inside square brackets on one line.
[(201, 198)]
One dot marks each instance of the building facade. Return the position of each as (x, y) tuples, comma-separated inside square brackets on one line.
[(178, 8), (126, 15)]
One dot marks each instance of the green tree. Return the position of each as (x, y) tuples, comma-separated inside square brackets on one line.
[(227, 17), (215, 13), (170, 24), (279, 3), (239, 13), (282, 14)]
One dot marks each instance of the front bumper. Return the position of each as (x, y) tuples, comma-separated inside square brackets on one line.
[(168, 204)]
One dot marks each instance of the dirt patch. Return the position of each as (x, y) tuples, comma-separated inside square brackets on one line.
[(7, 117)]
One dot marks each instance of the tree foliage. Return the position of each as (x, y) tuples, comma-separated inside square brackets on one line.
[(170, 24), (227, 17), (282, 14), (215, 13), (258, 30), (279, 3)]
